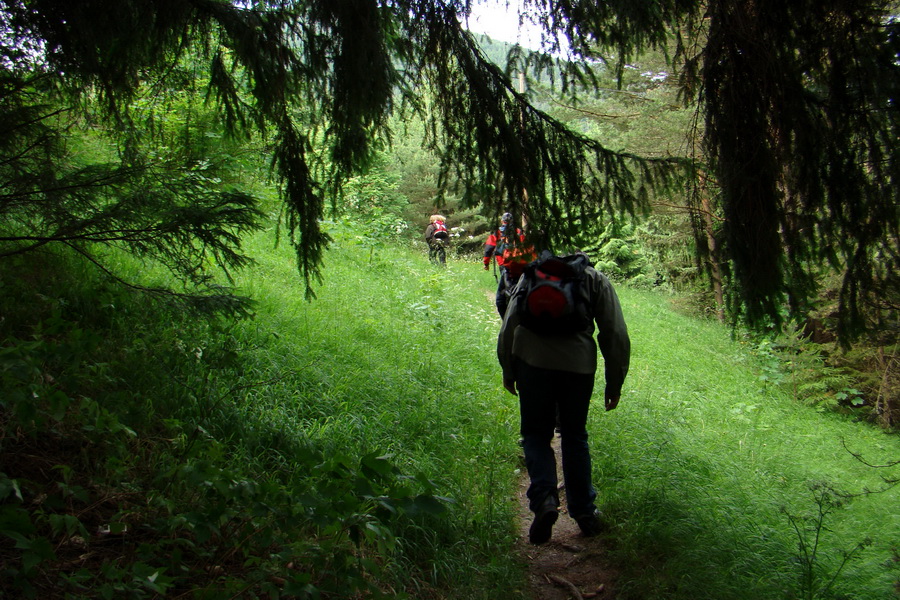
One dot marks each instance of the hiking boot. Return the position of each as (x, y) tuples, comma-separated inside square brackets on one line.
[(544, 519), (591, 524)]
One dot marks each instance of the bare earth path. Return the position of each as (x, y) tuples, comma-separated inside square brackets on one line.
[(569, 565)]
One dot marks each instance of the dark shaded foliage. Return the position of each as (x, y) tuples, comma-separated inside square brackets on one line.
[(154, 207), (801, 123)]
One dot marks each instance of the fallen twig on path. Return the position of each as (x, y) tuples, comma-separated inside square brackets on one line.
[(566, 583)]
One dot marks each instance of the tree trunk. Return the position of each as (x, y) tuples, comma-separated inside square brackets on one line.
[(715, 269)]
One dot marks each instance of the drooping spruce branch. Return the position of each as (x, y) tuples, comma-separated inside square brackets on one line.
[(213, 299), (801, 125), (509, 155), (173, 210), (323, 76), (799, 97)]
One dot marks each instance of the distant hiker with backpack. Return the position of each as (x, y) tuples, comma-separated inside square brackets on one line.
[(437, 236), (548, 354), (508, 248)]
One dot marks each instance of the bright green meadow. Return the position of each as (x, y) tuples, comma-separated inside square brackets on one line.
[(361, 444)]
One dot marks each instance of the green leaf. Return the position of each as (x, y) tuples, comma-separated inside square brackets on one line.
[(67, 524), (377, 464), (9, 486), (15, 521), (429, 505), (116, 528), (37, 550)]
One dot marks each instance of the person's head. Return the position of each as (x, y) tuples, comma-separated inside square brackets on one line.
[(436, 218), (506, 218)]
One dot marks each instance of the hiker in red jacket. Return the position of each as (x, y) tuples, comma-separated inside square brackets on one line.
[(512, 255)]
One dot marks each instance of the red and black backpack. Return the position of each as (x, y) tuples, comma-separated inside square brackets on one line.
[(440, 231), (552, 297)]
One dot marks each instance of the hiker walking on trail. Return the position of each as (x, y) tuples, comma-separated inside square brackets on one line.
[(548, 354), (511, 253), (437, 236)]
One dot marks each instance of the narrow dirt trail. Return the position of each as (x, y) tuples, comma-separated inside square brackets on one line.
[(569, 565)]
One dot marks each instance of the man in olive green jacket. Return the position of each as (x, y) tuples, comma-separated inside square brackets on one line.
[(554, 375)]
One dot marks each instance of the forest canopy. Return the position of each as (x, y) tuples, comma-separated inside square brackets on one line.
[(798, 106)]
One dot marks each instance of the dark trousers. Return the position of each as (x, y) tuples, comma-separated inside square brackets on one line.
[(436, 252), (541, 393)]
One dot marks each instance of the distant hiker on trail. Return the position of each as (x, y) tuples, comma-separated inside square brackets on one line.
[(511, 254), (437, 236), (548, 355)]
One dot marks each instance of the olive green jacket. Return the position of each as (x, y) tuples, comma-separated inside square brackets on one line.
[(575, 352)]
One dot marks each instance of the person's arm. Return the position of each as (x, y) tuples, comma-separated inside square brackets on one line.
[(429, 231), (612, 338), (489, 246), (505, 344)]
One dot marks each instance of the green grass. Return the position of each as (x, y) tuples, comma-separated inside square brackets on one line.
[(704, 461), (699, 468), (398, 357), (270, 428)]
